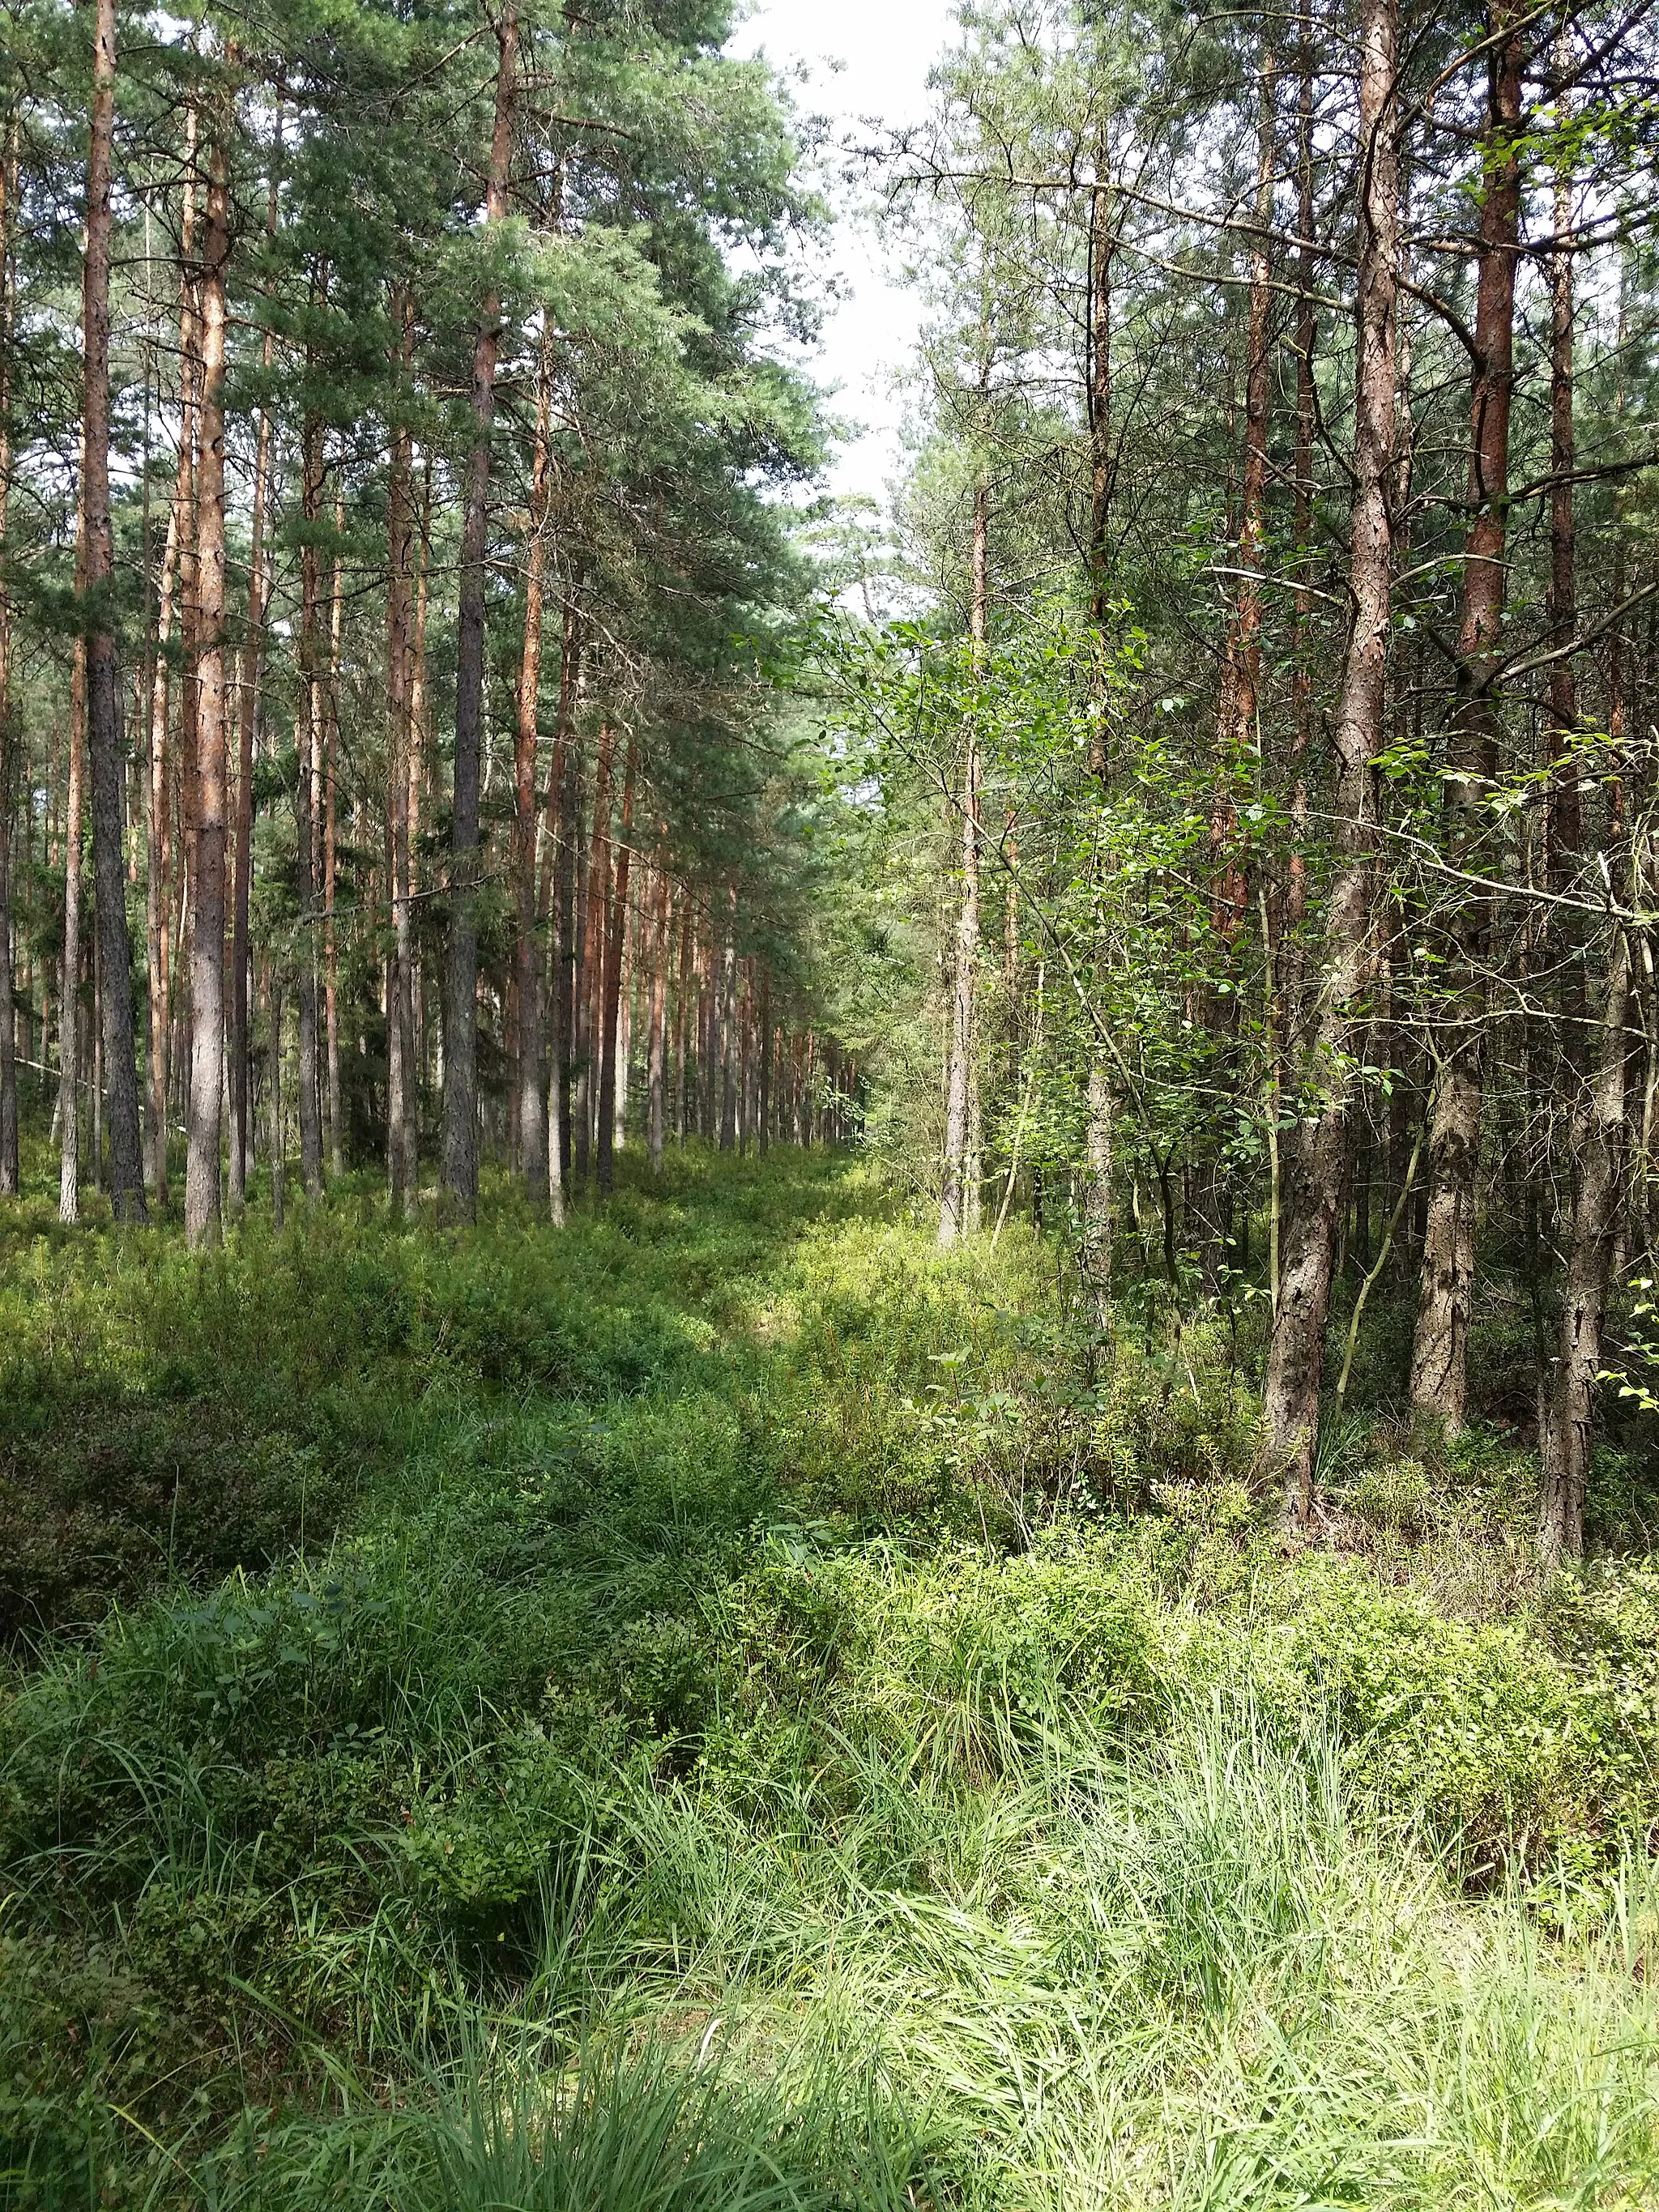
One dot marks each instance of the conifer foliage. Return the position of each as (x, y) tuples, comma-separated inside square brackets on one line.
[(386, 774)]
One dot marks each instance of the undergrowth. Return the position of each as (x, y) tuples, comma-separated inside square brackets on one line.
[(722, 1707)]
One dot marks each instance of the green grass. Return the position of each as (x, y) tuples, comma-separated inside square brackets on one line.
[(709, 1709)]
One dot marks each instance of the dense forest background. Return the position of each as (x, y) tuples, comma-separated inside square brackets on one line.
[(829, 1369)]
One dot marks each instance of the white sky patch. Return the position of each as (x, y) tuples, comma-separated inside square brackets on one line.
[(887, 47)]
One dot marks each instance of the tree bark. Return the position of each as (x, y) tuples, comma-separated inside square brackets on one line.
[(1316, 1153), (460, 1133), (207, 961), (68, 1012), (1562, 818), (1599, 1139), (656, 1049), (1439, 1376), (765, 1117), (566, 782), (591, 954), (241, 974), (614, 933), (726, 1051), (274, 1089), (531, 1074), (330, 726), (180, 795), (103, 673), (399, 607), (419, 760), (156, 844), (1095, 1247), (10, 1164), (683, 999), (962, 1167), (241, 1080), (307, 796)]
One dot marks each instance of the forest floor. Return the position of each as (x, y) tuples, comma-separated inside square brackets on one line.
[(717, 1708)]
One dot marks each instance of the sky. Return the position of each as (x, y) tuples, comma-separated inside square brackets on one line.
[(887, 47)]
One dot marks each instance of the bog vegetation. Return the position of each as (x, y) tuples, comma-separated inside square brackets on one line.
[(828, 1358)]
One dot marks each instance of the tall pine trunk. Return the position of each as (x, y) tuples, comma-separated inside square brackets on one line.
[(1316, 1153), (958, 1202), (1598, 1140), (308, 808), (103, 673), (1095, 1242), (726, 1015), (531, 1072), (207, 959), (1439, 1373), (765, 1099), (591, 953), (682, 998), (274, 1088), (656, 1047), (10, 1165), (400, 525), (156, 843), (330, 726), (241, 1076), (460, 1133), (69, 981), (566, 789), (611, 1045)]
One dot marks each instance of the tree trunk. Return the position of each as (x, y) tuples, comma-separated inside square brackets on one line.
[(307, 794), (567, 832), (1563, 825), (1439, 1376), (419, 759), (656, 1047), (241, 1130), (681, 1011), (207, 952), (156, 844), (1314, 1154), (609, 1033), (727, 1050), (69, 1012), (532, 1079), (1095, 1248), (400, 532), (1598, 1147), (10, 1175), (103, 673), (330, 947), (274, 1089), (461, 1012), (766, 1056), (10, 1165), (258, 593), (961, 1166), (590, 956)]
